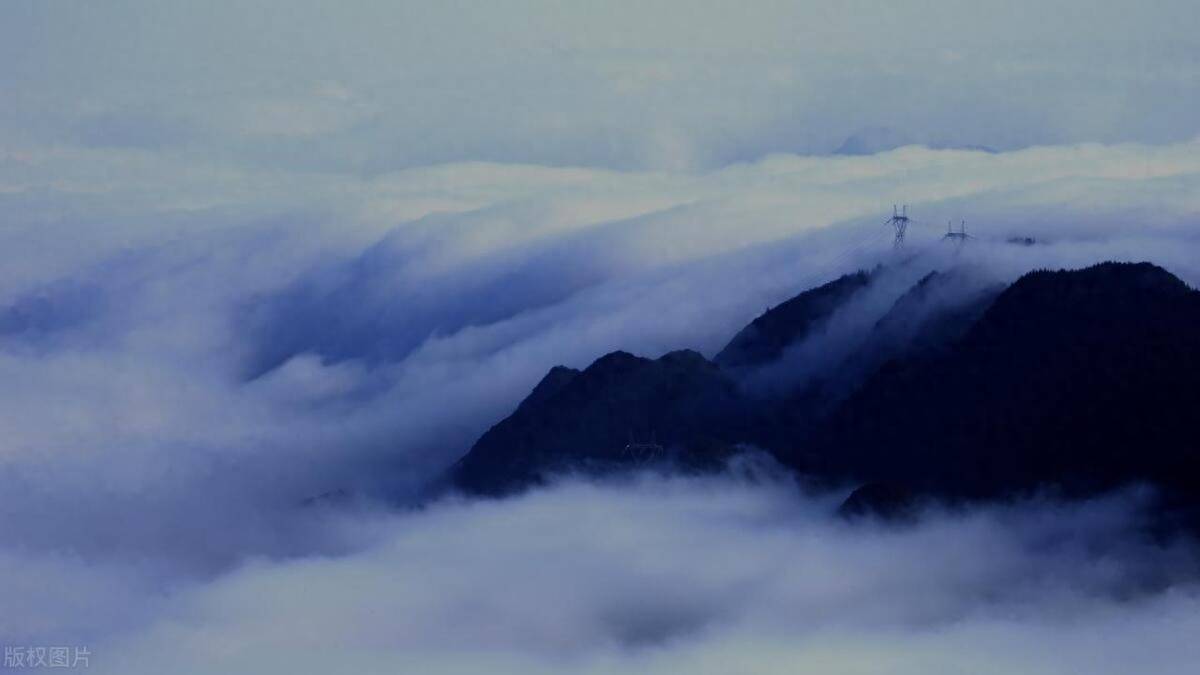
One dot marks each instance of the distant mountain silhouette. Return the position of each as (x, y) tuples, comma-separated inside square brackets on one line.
[(874, 140), (1083, 380), (583, 420)]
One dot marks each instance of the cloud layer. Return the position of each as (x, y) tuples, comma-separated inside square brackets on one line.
[(259, 254), (741, 573), (666, 84), (194, 349)]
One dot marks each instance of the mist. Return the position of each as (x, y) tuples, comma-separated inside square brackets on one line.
[(185, 379), (269, 271), (744, 571), (663, 85)]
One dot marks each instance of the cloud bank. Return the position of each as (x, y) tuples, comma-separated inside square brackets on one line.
[(630, 85), (262, 254), (193, 350), (743, 573)]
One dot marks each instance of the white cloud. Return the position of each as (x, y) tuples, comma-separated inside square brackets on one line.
[(705, 575), (257, 254), (668, 84), (392, 319)]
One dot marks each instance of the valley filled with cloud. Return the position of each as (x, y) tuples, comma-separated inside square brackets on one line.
[(251, 264)]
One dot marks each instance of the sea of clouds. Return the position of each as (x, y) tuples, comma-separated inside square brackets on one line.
[(192, 353), (254, 255)]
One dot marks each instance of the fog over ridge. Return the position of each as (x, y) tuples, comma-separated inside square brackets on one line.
[(269, 268), (402, 315)]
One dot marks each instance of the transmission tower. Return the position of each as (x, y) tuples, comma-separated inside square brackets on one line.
[(959, 237), (899, 221)]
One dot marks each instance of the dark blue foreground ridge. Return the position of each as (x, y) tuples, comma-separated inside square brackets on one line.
[(1081, 380)]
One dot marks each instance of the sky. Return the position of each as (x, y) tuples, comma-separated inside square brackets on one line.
[(381, 86), (260, 251)]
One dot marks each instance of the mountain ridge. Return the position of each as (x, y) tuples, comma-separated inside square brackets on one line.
[(963, 407)]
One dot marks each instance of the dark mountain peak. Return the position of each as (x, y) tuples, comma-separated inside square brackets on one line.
[(614, 365), (765, 339), (626, 371), (1116, 304), (561, 373), (577, 420), (617, 360), (1105, 289), (551, 384), (873, 140), (1081, 378), (1107, 280), (684, 356)]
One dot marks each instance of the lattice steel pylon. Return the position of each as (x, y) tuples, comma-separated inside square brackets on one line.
[(960, 237), (899, 221)]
